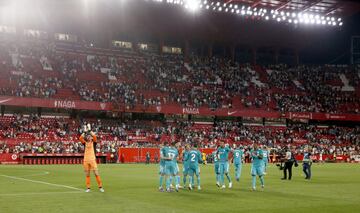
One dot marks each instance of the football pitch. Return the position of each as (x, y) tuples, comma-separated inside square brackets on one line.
[(134, 188)]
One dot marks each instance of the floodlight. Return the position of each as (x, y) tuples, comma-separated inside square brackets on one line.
[(192, 5), (313, 17)]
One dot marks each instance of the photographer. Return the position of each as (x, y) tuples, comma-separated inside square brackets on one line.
[(289, 162)]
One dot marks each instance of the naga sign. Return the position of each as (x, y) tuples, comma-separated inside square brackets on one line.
[(54, 103), (64, 104), (191, 110)]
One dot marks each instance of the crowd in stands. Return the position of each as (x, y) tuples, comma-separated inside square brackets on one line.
[(321, 88), (33, 134), (150, 79)]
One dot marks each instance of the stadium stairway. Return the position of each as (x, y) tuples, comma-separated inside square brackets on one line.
[(347, 87)]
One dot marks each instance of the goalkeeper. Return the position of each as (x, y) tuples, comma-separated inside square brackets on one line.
[(88, 139)]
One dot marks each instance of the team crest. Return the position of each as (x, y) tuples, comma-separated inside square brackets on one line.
[(102, 106), (158, 108)]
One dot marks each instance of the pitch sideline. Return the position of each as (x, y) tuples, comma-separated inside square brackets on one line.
[(42, 182), (39, 193), (33, 175)]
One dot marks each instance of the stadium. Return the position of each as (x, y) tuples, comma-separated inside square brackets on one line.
[(179, 106)]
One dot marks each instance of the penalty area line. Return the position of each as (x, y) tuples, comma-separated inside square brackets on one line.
[(41, 182)]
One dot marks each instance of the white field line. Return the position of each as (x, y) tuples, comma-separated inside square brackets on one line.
[(33, 175), (42, 182), (39, 193)]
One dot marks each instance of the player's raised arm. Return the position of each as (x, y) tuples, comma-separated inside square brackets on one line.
[(93, 136), (232, 149), (81, 138)]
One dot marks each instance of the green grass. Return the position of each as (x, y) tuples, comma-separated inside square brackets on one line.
[(133, 188)]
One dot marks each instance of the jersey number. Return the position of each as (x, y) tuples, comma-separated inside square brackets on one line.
[(193, 157), (171, 155), (237, 154)]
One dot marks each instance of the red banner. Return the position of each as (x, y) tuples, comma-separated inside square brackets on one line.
[(57, 155), (323, 116), (9, 158), (54, 103), (30, 158), (338, 158), (138, 155), (173, 109)]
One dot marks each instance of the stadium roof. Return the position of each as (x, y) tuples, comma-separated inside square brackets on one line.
[(298, 12), (326, 7), (154, 20)]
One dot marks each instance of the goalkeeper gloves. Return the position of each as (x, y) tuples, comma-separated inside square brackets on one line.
[(87, 128)]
